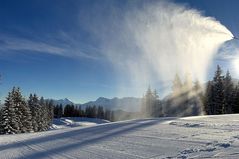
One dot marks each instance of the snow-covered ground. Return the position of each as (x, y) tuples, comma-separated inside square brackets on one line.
[(67, 122), (191, 137)]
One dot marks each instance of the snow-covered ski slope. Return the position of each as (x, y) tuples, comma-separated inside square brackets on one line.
[(68, 122), (191, 137)]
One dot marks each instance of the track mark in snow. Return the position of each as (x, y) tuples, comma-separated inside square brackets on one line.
[(121, 153), (40, 149), (189, 125), (210, 147), (167, 138)]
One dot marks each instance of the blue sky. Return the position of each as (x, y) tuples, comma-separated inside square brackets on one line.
[(46, 47)]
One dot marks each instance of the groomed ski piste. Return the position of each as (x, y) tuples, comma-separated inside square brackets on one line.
[(190, 137)]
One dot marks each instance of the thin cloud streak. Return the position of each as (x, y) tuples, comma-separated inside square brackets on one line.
[(65, 49)]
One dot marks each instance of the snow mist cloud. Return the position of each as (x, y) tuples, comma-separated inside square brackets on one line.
[(151, 43)]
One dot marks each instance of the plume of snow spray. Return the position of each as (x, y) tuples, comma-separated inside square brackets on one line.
[(157, 41), (150, 43)]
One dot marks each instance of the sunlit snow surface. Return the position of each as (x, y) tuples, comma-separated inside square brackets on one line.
[(192, 137), (67, 122)]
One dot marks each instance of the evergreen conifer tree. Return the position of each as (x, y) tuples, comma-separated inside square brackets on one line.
[(10, 119), (60, 111), (34, 105), (208, 99), (26, 118), (228, 94), (235, 106), (218, 91), (22, 111), (1, 121), (100, 112), (43, 124), (49, 109)]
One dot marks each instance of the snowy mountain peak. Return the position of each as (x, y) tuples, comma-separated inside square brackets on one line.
[(102, 99), (63, 102), (66, 100)]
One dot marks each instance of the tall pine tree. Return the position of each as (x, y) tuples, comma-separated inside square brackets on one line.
[(235, 105), (23, 111), (10, 118), (228, 94), (208, 100), (34, 105), (1, 121), (218, 91)]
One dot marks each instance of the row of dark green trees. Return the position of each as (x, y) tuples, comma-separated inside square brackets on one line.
[(19, 115), (89, 112), (188, 98), (221, 95)]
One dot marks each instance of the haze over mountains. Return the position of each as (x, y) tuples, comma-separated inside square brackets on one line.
[(129, 104)]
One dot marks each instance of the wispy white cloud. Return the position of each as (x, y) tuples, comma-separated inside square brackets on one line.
[(21, 44), (68, 48)]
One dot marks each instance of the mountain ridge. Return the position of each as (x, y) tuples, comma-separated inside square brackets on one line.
[(131, 104)]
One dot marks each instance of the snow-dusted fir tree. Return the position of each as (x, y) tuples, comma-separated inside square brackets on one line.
[(34, 105), (1, 122), (23, 111), (42, 115), (50, 112), (26, 118), (17, 101), (10, 119), (43, 124)]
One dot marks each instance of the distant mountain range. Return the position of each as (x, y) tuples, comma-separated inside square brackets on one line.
[(63, 102), (130, 104)]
